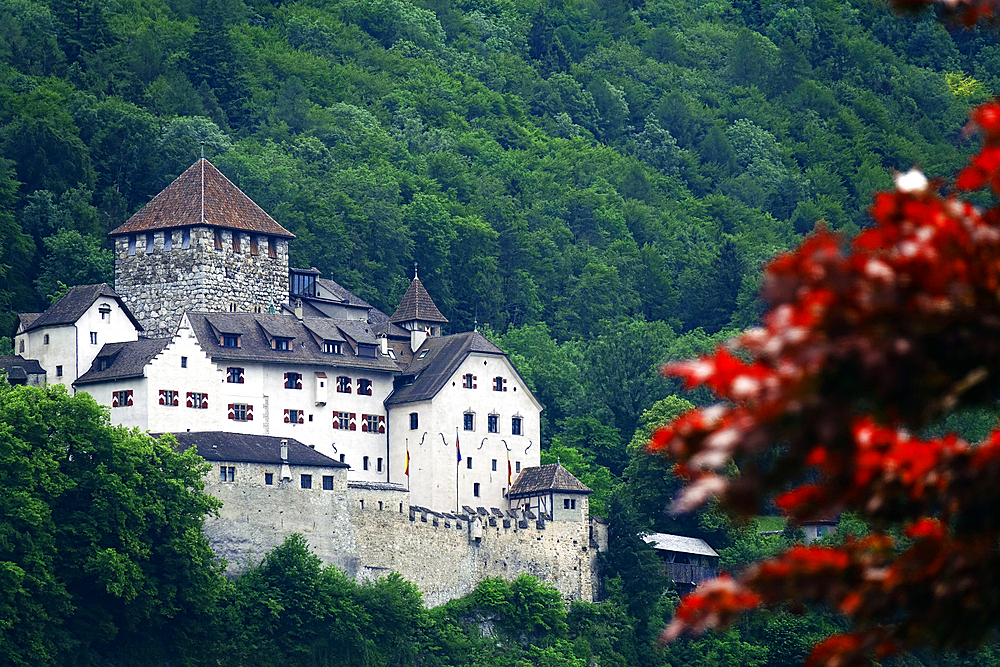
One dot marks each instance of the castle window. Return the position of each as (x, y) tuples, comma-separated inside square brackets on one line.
[(131, 244), (494, 465), (254, 250), (517, 466), (197, 400), (240, 412), (331, 347), (379, 468), (119, 399), (103, 363), (149, 242), (414, 421), (366, 463), (493, 423), (371, 424), (230, 340), (569, 504), (343, 385), (475, 489), (236, 242), (294, 416), (218, 239), (306, 481), (468, 462), (105, 311), (227, 474), (93, 338), (469, 421), (168, 397), (515, 426), (185, 238), (59, 371), (341, 458), (364, 387), (184, 362), (46, 339), (293, 380), (269, 478), (328, 482), (366, 350), (234, 375), (168, 241), (499, 384), (283, 344), (467, 381), (272, 249), (342, 420)]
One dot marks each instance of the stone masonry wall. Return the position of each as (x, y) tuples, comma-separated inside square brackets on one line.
[(370, 532), (160, 285)]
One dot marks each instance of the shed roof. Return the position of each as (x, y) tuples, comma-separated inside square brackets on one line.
[(244, 447), (431, 371), (417, 304), (202, 195), (74, 303), (679, 544), (128, 360), (545, 479)]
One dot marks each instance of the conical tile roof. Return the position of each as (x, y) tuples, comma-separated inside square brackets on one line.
[(417, 304), (202, 195)]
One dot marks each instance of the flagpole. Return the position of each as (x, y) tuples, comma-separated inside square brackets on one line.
[(458, 469), (407, 464)]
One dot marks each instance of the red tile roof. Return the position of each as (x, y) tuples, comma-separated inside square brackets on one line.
[(202, 195)]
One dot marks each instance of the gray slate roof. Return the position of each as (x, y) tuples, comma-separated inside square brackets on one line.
[(255, 347), (18, 368), (345, 296), (74, 303), (243, 447), (444, 355), (128, 360), (544, 479), (417, 304), (24, 320), (679, 544)]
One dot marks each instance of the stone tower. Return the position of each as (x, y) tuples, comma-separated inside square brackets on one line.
[(202, 245)]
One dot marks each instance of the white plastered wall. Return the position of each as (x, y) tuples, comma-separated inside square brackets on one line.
[(433, 470)]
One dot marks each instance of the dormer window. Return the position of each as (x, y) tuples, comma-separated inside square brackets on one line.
[(331, 347), (103, 363), (230, 340), (422, 354), (364, 387), (366, 350), (283, 344)]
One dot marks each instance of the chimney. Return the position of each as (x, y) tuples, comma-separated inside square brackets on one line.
[(286, 472), (384, 345), (284, 451), (298, 309)]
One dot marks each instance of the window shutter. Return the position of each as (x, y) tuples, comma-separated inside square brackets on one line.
[(336, 419), (232, 412), (190, 400), (177, 398), (249, 413), (298, 381), (241, 376), (474, 381), (364, 423), (353, 423), (381, 423), (114, 399), (302, 417), (162, 400), (287, 420), (204, 401), (505, 384), (130, 398), (286, 379)]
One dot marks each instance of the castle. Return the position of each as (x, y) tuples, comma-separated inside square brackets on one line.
[(390, 446)]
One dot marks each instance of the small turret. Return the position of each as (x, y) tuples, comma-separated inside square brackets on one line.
[(418, 314)]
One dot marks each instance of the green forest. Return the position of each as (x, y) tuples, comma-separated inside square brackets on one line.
[(595, 184)]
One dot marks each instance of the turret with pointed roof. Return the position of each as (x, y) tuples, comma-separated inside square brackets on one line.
[(418, 314), (199, 245)]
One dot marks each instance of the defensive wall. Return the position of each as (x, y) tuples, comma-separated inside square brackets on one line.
[(369, 530)]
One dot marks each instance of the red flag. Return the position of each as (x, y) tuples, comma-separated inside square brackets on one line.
[(407, 471)]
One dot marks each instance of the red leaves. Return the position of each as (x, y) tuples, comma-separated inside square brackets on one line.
[(864, 345)]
